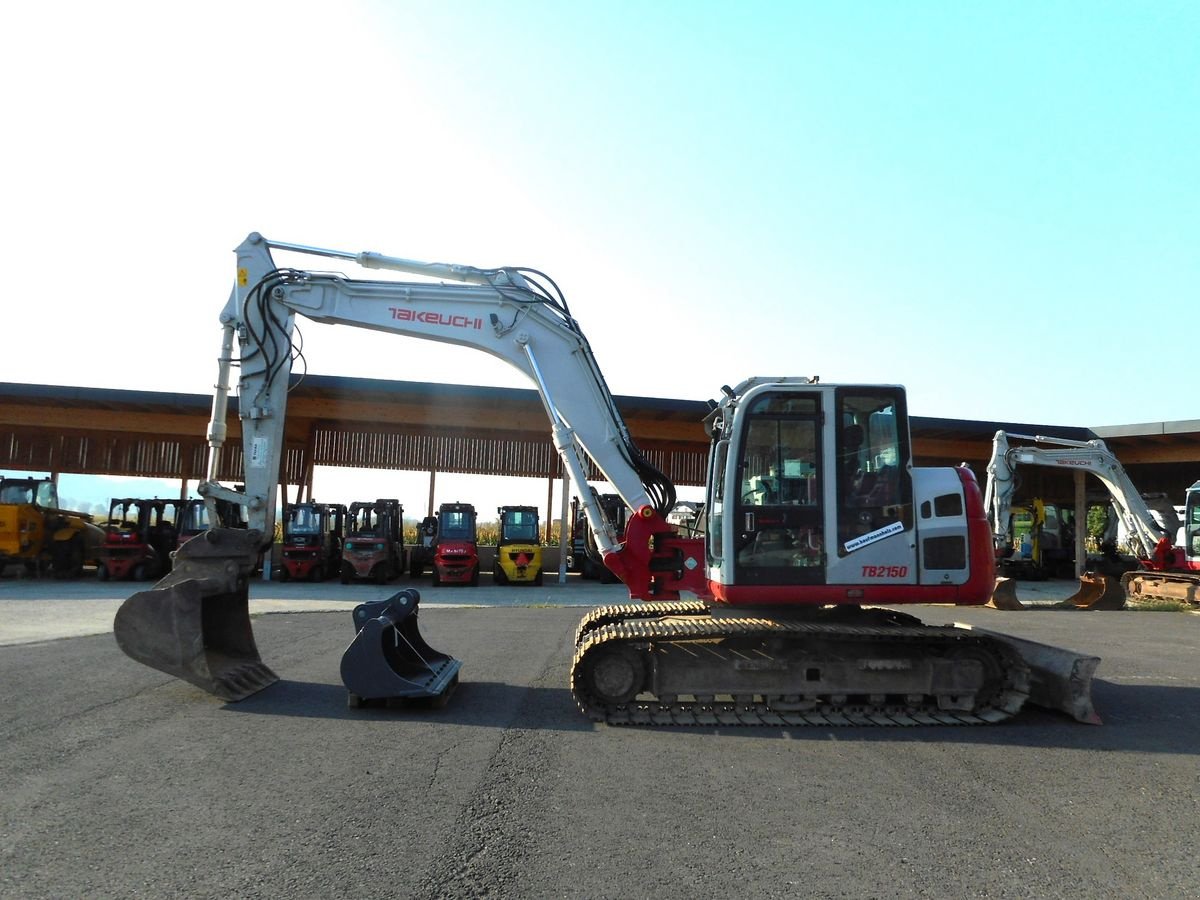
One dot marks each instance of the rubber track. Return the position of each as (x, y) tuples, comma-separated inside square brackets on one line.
[(694, 627), (607, 615)]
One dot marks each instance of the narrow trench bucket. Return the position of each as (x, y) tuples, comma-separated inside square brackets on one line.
[(194, 624), (388, 658), (1060, 679)]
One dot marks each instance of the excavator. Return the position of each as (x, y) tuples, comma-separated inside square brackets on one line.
[(817, 525), (1167, 570)]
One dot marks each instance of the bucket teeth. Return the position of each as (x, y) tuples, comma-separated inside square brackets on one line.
[(194, 624)]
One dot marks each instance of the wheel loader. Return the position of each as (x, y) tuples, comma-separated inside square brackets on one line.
[(40, 536)]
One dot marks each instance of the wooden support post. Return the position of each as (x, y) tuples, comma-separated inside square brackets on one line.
[(1080, 524), (432, 480), (549, 507), (306, 477), (564, 533), (185, 470)]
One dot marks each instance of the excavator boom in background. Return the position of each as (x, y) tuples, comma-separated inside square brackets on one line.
[(816, 522)]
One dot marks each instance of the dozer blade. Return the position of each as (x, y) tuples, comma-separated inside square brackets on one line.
[(1004, 595), (1060, 679), (1097, 591), (388, 659), (195, 623)]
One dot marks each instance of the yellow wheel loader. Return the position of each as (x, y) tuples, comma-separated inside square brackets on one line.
[(36, 533)]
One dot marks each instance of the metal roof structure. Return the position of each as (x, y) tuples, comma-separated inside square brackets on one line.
[(420, 426)]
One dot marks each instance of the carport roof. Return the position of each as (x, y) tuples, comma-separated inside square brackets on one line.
[(333, 415)]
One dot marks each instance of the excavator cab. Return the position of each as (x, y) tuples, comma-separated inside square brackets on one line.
[(1191, 526), (811, 490)]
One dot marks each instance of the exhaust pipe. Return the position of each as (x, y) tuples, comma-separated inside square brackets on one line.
[(194, 624)]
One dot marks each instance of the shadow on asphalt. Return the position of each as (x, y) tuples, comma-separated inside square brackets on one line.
[(1138, 718), (485, 704)]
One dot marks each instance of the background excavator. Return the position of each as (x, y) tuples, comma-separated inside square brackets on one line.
[(816, 522), (1167, 552)]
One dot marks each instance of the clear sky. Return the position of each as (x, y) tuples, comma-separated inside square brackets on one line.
[(995, 204)]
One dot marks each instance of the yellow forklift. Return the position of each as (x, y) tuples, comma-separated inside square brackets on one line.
[(519, 548)]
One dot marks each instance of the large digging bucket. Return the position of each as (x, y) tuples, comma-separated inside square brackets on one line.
[(1097, 591), (195, 623), (1059, 679), (388, 659), (1004, 595)]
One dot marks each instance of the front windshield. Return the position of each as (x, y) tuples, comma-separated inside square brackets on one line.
[(457, 525), (16, 493), (195, 518), (303, 520), (520, 525)]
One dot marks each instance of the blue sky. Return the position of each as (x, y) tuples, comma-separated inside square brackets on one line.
[(993, 204)]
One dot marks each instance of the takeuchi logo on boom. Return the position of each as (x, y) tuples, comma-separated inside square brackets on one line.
[(404, 314)]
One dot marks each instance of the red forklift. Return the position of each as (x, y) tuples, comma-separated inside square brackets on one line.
[(139, 538), (374, 548), (313, 536), (455, 557), (193, 519)]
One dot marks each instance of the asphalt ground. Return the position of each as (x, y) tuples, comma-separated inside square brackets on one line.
[(117, 780)]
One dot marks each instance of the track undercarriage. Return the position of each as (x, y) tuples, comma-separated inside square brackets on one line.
[(1144, 587), (685, 663)]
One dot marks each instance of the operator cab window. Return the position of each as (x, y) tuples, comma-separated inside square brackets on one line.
[(780, 532), (873, 482)]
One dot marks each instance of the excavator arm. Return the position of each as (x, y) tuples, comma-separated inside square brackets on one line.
[(508, 313), (516, 315)]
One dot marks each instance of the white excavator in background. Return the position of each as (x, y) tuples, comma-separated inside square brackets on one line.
[(815, 521), (1167, 552)]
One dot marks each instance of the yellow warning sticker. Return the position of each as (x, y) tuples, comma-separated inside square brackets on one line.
[(243, 277)]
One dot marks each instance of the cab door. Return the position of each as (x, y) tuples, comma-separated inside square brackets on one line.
[(778, 515)]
